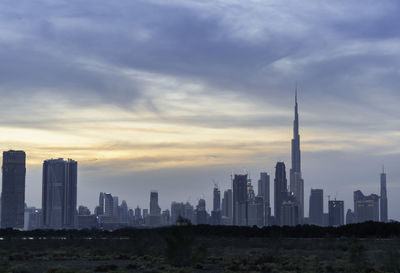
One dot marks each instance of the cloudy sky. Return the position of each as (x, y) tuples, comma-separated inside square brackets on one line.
[(176, 95)]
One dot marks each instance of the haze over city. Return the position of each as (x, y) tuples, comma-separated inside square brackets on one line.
[(176, 96)]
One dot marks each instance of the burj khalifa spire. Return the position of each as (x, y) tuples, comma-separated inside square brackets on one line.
[(296, 180)]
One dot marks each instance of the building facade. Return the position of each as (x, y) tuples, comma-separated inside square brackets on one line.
[(13, 189), (59, 193), (316, 207), (336, 213)]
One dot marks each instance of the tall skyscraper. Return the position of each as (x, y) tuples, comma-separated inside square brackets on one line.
[(280, 190), (155, 210), (13, 190), (264, 193), (336, 213), (59, 193), (384, 201), (100, 210), (108, 205), (216, 199), (263, 187), (227, 206), (296, 180), (316, 207), (239, 186)]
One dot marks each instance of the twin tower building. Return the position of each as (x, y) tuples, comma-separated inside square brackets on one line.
[(59, 192)]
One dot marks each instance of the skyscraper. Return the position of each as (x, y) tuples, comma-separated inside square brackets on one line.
[(263, 187), (59, 193), (155, 210), (384, 201), (366, 208), (280, 190), (216, 199), (13, 190), (336, 213), (316, 207), (264, 192), (296, 180), (239, 186), (227, 206), (108, 205)]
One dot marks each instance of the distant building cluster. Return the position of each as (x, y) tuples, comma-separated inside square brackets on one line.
[(238, 205)]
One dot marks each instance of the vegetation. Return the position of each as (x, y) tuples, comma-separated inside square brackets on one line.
[(369, 247)]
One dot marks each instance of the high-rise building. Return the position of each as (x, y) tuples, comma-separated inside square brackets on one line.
[(59, 193), (255, 212), (201, 213), (13, 190), (138, 214), (263, 187), (290, 213), (280, 190), (366, 208), (316, 207), (108, 205), (155, 210), (296, 180), (216, 199), (227, 206), (264, 192), (384, 200), (100, 210), (82, 210), (123, 212), (115, 208), (336, 213), (239, 185), (350, 217)]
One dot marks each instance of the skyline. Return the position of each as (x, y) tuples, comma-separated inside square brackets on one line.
[(153, 95), (287, 190)]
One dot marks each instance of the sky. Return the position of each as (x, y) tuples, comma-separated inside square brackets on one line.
[(176, 95)]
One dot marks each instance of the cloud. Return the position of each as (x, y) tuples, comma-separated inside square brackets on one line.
[(143, 87)]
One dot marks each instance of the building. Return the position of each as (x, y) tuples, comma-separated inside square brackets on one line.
[(32, 218), (59, 193), (13, 190), (115, 208), (227, 207), (216, 199), (123, 212), (280, 190), (201, 213), (255, 211), (350, 217), (82, 210), (100, 210), (296, 180), (108, 205), (384, 200), (316, 213), (87, 221), (155, 210), (366, 208), (239, 185), (290, 213), (264, 192), (165, 218), (336, 213)]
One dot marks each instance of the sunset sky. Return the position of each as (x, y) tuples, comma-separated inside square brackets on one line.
[(176, 95)]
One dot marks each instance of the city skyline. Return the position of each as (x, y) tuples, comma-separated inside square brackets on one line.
[(59, 198), (154, 95)]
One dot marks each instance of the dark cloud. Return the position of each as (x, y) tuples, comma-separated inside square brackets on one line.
[(344, 56)]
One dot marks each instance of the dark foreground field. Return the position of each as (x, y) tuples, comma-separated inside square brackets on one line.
[(204, 249)]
